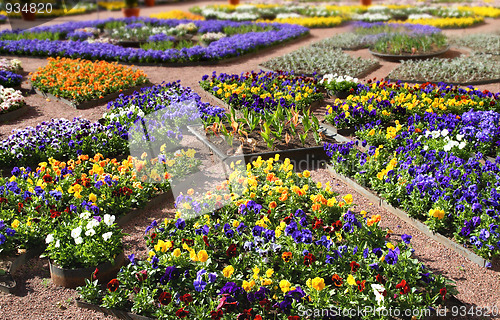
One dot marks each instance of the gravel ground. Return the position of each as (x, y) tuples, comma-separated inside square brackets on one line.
[(37, 298)]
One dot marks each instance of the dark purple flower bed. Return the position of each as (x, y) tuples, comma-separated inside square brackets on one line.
[(50, 41)]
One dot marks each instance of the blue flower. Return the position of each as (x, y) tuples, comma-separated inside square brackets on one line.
[(180, 224), (131, 258), (392, 256), (10, 232), (406, 238)]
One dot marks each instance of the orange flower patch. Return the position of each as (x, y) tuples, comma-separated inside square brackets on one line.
[(82, 80)]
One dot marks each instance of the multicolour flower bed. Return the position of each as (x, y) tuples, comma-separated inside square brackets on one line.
[(34, 202), (51, 40), (83, 80), (10, 100), (63, 139), (263, 90), (423, 150), (282, 245), (9, 76)]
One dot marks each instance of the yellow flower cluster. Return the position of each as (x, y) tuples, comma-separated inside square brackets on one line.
[(111, 6), (437, 213), (311, 22), (411, 101), (490, 12), (390, 166), (301, 92), (177, 14), (444, 23)]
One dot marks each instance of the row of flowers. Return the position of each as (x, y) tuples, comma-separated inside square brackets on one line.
[(9, 73), (36, 202), (82, 80), (64, 139), (280, 244), (327, 15), (427, 159), (385, 102), (28, 43), (263, 90)]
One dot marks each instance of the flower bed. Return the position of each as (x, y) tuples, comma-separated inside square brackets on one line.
[(83, 80), (36, 202), (406, 162), (481, 43), (447, 23), (307, 16), (310, 22), (10, 100), (283, 244), (9, 76), (327, 15), (176, 14), (111, 5), (64, 139), (243, 38), (262, 90), (478, 68), (314, 59)]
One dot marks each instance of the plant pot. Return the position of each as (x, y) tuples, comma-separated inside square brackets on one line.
[(131, 12), (28, 16), (342, 94), (234, 2), (149, 3), (72, 278), (366, 2)]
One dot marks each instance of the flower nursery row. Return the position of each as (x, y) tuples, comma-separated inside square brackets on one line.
[(75, 199), (329, 16), (421, 149), (10, 98), (378, 114), (101, 39), (281, 244)]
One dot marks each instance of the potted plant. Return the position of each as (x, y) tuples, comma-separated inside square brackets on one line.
[(366, 2), (149, 3), (78, 247), (131, 8), (28, 13), (340, 86)]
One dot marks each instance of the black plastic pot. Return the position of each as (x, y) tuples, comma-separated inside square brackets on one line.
[(72, 278)]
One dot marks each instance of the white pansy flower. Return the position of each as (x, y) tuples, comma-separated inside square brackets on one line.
[(90, 232), (445, 132), (109, 219), (378, 290), (460, 137), (85, 215), (79, 240), (58, 244), (461, 145), (75, 233), (50, 238), (92, 224), (107, 235)]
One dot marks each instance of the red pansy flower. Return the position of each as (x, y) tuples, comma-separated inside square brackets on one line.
[(113, 285), (181, 313), (165, 298), (354, 266), (403, 286), (231, 251)]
